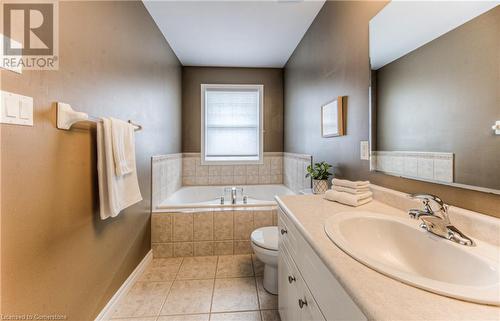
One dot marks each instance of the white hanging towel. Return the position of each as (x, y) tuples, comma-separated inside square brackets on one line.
[(115, 192), (350, 184), (122, 137)]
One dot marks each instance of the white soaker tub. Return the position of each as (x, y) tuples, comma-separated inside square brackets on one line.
[(210, 196)]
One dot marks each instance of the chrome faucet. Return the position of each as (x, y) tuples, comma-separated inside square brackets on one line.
[(234, 193), (438, 222)]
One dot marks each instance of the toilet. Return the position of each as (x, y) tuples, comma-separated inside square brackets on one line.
[(265, 246)]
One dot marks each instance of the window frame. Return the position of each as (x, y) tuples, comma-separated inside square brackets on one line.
[(233, 160)]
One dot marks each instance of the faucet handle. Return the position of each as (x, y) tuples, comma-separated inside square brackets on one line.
[(426, 198)]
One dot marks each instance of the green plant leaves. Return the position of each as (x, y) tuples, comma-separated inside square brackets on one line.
[(319, 170)]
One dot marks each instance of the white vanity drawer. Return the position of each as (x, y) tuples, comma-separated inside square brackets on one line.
[(288, 233), (296, 303), (334, 301), (327, 299)]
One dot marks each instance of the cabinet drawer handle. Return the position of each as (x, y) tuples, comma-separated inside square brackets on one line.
[(291, 279), (283, 231), (302, 303)]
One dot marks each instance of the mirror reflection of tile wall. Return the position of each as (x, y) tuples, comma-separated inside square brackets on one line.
[(439, 99)]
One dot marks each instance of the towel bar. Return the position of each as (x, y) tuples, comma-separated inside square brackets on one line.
[(67, 117)]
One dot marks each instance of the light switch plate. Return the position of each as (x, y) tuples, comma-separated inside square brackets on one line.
[(496, 127), (364, 150), (16, 109)]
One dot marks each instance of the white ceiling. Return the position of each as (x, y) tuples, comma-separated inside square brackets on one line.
[(259, 33), (403, 26)]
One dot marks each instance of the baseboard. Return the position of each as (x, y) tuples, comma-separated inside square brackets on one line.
[(108, 309)]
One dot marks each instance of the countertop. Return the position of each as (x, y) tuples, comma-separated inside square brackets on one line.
[(378, 296)]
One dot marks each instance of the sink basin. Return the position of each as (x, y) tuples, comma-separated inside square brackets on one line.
[(398, 248)]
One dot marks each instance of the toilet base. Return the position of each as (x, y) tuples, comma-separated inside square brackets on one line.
[(271, 279)]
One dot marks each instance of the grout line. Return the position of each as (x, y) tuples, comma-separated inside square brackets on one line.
[(257, 292), (213, 291), (169, 290)]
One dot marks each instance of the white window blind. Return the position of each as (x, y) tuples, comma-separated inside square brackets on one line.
[(232, 128)]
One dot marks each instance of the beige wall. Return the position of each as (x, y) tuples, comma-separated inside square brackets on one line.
[(58, 257), (332, 60), (193, 77), (444, 97)]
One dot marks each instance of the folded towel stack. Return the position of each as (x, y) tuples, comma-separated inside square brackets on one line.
[(349, 192)]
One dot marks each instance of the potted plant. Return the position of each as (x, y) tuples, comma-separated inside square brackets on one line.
[(319, 172)]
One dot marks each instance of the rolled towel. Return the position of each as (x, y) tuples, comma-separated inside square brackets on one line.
[(350, 184), (348, 199), (354, 191)]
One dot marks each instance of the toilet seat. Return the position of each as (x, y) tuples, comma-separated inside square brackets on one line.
[(266, 238)]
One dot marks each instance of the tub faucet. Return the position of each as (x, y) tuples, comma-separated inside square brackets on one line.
[(438, 223), (233, 195)]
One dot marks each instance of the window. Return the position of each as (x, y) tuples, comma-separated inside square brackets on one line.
[(231, 120)]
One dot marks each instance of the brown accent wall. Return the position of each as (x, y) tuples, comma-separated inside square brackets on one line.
[(193, 77), (332, 60), (58, 257), (444, 97)]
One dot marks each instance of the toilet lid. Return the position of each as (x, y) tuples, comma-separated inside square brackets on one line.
[(266, 237)]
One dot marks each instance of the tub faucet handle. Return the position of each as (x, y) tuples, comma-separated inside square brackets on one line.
[(222, 200)]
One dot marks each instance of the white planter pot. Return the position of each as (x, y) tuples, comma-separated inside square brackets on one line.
[(320, 186)]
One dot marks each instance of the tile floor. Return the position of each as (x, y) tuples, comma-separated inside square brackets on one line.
[(205, 288)]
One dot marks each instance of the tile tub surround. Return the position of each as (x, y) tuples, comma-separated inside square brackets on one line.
[(166, 174), (194, 173), (294, 171), (217, 288), (208, 231)]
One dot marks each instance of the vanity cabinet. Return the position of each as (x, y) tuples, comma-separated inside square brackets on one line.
[(307, 289)]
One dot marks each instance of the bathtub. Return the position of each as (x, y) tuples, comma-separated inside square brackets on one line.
[(210, 196)]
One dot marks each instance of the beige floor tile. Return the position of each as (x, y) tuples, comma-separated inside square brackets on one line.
[(258, 266), (189, 297), (270, 315), (235, 294), (165, 262), (198, 267), (185, 317), (162, 270), (236, 316), (231, 266), (267, 301), (143, 299)]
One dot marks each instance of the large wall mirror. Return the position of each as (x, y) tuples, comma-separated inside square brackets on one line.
[(435, 92)]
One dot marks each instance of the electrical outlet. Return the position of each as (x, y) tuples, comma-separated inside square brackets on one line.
[(364, 150)]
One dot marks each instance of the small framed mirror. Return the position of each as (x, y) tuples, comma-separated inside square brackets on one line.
[(332, 118)]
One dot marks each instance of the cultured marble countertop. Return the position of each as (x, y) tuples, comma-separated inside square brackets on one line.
[(378, 296)]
